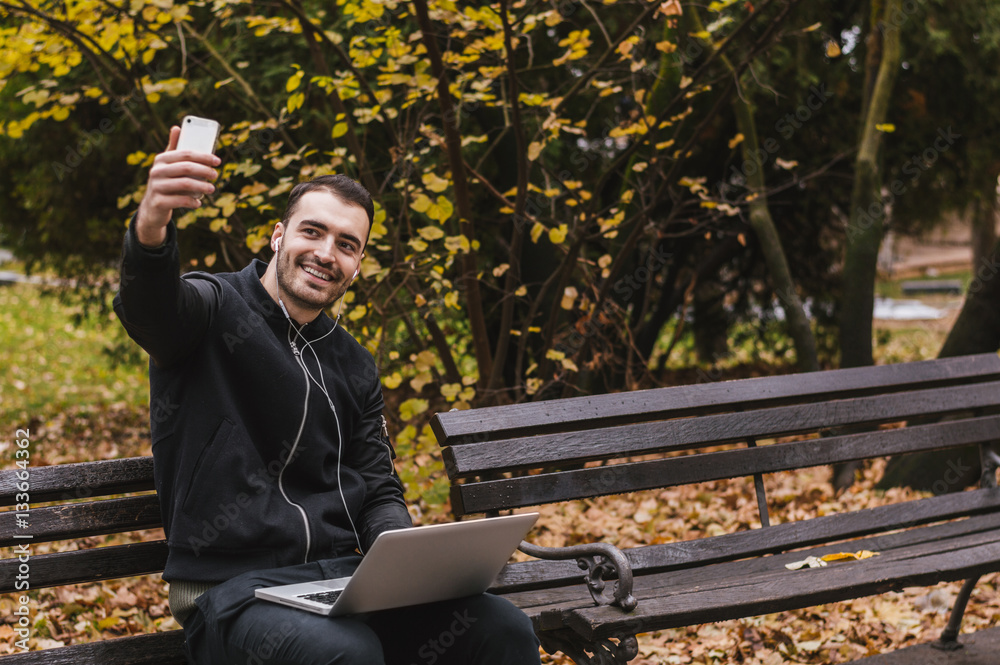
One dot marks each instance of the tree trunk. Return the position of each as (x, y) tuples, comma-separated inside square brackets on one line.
[(668, 80), (672, 292), (469, 278), (977, 330), (799, 327), (711, 322), (864, 232), (984, 229), (867, 212)]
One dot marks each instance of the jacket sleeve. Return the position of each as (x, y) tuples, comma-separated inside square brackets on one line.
[(167, 315), (371, 454)]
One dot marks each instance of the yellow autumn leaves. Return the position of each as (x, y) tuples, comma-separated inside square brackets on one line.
[(578, 44), (422, 370), (131, 37), (440, 209), (295, 99)]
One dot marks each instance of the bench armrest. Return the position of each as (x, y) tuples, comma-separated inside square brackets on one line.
[(603, 562)]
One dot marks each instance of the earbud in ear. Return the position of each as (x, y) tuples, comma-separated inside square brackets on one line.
[(356, 273), (277, 244)]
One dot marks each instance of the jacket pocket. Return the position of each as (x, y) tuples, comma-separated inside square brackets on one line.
[(204, 481)]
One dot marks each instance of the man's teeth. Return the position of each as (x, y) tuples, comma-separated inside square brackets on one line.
[(311, 271)]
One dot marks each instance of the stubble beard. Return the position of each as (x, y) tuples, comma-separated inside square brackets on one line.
[(286, 276)]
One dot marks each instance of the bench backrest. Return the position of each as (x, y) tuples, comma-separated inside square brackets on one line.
[(73, 501), (522, 455)]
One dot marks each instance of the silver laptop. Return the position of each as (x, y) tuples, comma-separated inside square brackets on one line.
[(413, 566)]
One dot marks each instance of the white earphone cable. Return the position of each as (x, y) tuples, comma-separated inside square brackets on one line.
[(309, 378)]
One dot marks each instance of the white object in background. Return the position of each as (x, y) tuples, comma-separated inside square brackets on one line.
[(905, 310)]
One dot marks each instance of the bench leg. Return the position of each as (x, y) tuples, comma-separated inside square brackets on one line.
[(600, 652), (949, 637), (989, 458)]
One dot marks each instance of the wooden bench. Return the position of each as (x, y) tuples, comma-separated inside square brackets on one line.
[(68, 502), (523, 455), (493, 456)]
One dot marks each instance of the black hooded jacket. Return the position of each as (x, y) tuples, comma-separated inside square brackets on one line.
[(250, 470)]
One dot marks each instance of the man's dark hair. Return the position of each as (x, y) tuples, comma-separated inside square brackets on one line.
[(344, 188)]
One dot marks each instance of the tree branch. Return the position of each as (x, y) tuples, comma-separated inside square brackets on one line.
[(583, 79), (453, 141), (513, 277), (241, 81)]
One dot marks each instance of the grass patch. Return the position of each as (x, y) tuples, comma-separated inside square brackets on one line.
[(763, 348), (57, 358)]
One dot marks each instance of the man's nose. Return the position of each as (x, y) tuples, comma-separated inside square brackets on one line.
[(324, 251)]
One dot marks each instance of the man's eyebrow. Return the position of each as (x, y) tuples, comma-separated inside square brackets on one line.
[(314, 223), (351, 237), (322, 226)]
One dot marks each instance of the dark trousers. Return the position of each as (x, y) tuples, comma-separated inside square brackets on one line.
[(232, 627)]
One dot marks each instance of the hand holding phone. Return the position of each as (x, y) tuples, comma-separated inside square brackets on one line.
[(179, 177), (198, 135)]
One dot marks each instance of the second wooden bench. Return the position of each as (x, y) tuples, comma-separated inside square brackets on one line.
[(519, 456)]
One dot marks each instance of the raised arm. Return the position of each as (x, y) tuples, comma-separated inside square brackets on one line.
[(165, 314)]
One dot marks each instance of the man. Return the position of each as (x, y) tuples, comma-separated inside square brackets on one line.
[(272, 460)]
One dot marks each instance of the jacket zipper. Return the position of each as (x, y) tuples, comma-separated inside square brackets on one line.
[(291, 453)]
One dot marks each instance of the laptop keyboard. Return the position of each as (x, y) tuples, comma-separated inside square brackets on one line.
[(325, 597)]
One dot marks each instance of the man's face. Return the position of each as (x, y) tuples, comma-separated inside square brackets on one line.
[(321, 248)]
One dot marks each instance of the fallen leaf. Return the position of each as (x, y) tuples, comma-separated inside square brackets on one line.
[(849, 556)]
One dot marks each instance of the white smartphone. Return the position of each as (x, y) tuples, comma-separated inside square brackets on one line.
[(198, 134)]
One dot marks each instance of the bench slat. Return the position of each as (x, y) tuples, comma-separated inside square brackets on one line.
[(63, 482), (92, 565), (545, 488), (757, 542), (77, 520), (580, 413), (784, 590), (166, 648), (475, 458), (920, 541)]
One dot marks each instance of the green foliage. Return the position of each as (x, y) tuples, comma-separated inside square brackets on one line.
[(952, 50)]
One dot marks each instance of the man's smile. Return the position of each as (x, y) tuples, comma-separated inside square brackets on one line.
[(316, 273)]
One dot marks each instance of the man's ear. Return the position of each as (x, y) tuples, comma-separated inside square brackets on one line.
[(358, 271), (276, 235)]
